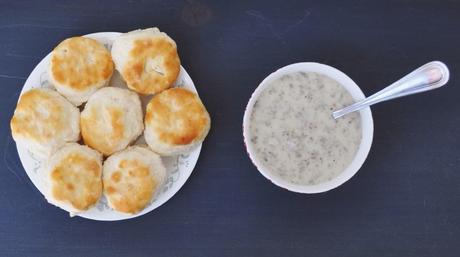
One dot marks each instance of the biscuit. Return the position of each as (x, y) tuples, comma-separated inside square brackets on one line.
[(131, 178), (175, 122), (74, 175), (44, 121), (147, 60), (78, 67), (111, 120)]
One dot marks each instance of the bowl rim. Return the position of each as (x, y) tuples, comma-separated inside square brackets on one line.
[(366, 123)]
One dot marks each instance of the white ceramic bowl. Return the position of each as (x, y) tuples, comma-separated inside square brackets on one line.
[(367, 125)]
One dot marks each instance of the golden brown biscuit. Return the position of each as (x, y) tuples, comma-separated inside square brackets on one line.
[(44, 121), (147, 60), (175, 122), (111, 120), (78, 67), (131, 178), (75, 178)]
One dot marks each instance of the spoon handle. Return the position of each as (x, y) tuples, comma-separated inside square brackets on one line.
[(430, 76)]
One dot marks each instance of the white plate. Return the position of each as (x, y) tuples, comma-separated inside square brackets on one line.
[(179, 168)]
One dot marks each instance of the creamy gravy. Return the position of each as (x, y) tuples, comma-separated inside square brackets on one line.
[(293, 133)]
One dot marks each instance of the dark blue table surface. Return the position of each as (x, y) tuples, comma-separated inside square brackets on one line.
[(405, 201)]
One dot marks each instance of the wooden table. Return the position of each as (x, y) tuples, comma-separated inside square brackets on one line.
[(405, 201)]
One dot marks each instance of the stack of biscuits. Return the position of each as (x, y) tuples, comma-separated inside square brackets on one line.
[(85, 130)]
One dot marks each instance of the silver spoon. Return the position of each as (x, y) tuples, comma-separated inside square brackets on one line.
[(430, 76)]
